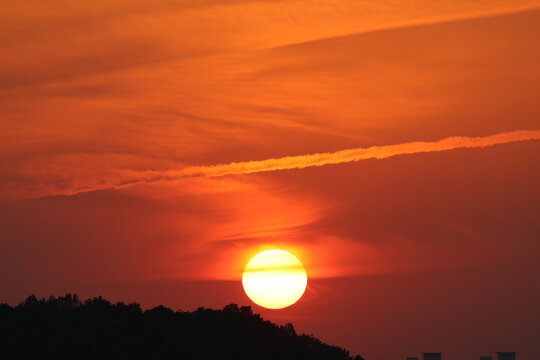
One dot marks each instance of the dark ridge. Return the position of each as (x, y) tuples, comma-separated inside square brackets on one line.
[(68, 328)]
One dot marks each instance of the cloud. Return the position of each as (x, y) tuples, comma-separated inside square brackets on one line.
[(64, 40), (317, 159), (352, 155)]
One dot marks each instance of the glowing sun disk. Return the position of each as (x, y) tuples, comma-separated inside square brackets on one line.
[(274, 279)]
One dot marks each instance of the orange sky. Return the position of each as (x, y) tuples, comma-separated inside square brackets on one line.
[(116, 117)]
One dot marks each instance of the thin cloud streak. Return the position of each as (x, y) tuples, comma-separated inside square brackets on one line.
[(128, 178), (338, 157)]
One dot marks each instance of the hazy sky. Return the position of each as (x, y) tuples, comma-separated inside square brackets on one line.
[(148, 149)]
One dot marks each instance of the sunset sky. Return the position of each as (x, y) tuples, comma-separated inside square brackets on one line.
[(148, 149)]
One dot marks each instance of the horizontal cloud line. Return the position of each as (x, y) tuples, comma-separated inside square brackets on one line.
[(130, 178), (350, 155)]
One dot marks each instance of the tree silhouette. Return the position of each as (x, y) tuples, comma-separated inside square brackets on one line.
[(68, 328)]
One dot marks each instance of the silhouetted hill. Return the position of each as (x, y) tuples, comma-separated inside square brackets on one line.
[(67, 328)]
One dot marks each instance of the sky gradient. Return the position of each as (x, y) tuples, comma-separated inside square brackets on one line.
[(148, 149)]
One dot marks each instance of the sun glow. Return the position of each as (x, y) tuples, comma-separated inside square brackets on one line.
[(274, 279)]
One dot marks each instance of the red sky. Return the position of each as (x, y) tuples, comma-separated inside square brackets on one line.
[(149, 148)]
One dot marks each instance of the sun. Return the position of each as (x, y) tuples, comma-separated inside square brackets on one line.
[(274, 279)]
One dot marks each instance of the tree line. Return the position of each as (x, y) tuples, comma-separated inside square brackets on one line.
[(66, 327)]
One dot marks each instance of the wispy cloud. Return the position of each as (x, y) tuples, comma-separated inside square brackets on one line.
[(321, 159), (357, 154)]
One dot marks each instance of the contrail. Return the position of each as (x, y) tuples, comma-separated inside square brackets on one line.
[(342, 156), (127, 178)]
